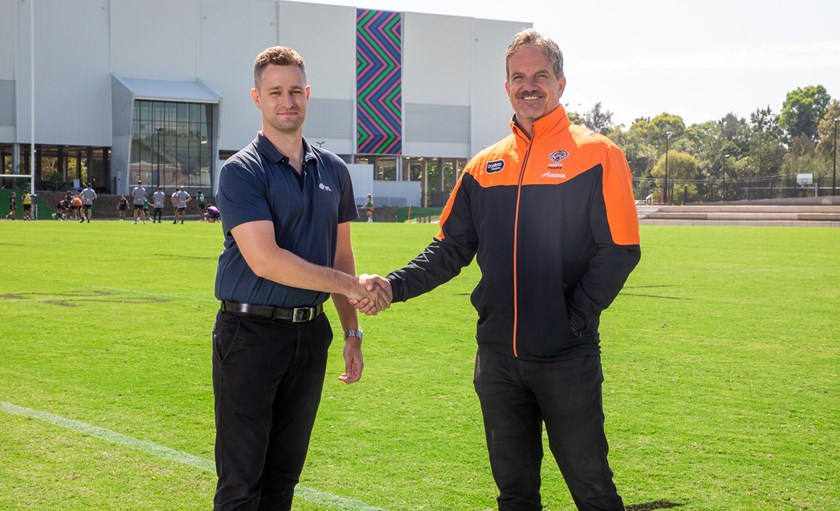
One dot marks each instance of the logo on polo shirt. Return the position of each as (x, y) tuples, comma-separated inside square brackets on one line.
[(324, 187), (495, 166)]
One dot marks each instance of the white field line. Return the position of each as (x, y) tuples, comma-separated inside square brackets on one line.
[(167, 453)]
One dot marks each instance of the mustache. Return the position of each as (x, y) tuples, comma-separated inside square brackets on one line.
[(529, 93)]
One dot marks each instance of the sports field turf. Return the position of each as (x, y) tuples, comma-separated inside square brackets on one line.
[(721, 357)]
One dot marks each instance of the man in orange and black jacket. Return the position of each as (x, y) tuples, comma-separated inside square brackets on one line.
[(549, 213)]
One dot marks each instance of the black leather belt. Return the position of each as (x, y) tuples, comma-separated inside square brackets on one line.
[(296, 315)]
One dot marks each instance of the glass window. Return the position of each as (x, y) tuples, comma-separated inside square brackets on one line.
[(183, 112), (170, 146)]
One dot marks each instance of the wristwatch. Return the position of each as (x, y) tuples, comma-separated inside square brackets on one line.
[(353, 333)]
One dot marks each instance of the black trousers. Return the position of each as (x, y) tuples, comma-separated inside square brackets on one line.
[(157, 213), (267, 381), (517, 397)]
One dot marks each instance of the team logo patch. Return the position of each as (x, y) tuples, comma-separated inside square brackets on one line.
[(558, 155), (322, 186), (495, 166)]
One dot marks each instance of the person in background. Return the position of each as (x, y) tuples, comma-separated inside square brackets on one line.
[(202, 206), (138, 198), (27, 205), (122, 206), (158, 199), (76, 207), (213, 214), (12, 206), (179, 201), (88, 195), (369, 208)]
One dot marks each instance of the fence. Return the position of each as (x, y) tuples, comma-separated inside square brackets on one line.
[(694, 191)]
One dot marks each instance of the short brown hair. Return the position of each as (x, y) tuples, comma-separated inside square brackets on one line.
[(530, 37), (277, 55)]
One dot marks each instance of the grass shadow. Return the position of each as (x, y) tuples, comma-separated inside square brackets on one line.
[(651, 506)]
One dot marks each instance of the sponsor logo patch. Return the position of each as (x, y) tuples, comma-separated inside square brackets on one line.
[(324, 187), (554, 175), (495, 166)]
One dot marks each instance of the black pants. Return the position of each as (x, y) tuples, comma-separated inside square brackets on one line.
[(516, 398), (267, 380), (157, 213)]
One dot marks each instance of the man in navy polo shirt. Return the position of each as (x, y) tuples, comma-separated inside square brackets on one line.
[(286, 210)]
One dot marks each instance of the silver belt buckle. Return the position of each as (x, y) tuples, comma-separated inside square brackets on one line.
[(302, 314)]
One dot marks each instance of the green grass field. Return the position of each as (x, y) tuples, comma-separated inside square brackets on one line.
[(721, 356)]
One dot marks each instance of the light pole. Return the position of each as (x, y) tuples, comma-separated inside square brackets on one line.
[(665, 191), (834, 173), (158, 155)]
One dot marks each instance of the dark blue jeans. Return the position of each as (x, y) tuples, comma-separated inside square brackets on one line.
[(267, 381), (517, 397)]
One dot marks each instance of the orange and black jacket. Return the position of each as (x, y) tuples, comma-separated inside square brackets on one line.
[(553, 223)]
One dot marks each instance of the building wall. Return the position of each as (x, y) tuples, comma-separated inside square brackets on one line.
[(72, 82), (491, 112), (8, 47), (330, 68), (230, 37), (21, 69), (155, 39), (452, 85)]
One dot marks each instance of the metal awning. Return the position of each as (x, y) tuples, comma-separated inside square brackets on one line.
[(166, 90)]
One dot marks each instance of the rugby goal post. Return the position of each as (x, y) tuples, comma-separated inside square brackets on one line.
[(31, 178)]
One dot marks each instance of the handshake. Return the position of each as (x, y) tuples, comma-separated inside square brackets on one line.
[(372, 295)]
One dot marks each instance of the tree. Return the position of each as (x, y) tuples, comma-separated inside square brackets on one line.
[(661, 125), (764, 150), (682, 169), (637, 147), (597, 120), (825, 130), (764, 121), (802, 110), (707, 143)]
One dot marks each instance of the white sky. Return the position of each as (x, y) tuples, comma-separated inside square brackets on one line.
[(699, 60)]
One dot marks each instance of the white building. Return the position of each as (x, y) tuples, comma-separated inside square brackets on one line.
[(159, 90)]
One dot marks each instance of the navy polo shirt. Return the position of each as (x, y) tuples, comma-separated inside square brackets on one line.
[(257, 183)]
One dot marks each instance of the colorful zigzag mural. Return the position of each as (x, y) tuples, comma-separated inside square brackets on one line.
[(379, 82)]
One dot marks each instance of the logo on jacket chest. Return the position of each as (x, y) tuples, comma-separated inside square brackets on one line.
[(555, 158)]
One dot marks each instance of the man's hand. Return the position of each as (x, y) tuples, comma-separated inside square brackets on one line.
[(379, 295), (353, 362)]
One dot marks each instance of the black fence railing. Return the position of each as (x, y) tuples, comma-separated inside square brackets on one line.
[(695, 191)]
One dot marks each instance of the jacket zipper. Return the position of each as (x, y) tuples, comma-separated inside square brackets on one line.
[(516, 241)]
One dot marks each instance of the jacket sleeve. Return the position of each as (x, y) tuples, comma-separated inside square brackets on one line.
[(452, 249), (615, 227)]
